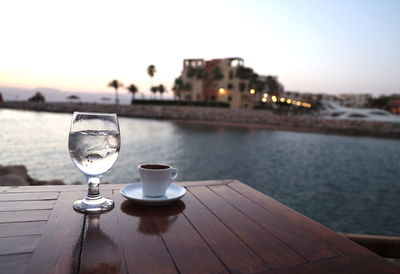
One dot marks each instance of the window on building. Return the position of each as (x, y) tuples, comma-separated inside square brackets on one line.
[(229, 98), (230, 86), (242, 87), (213, 98), (230, 74)]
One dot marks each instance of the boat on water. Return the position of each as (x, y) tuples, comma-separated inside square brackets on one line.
[(335, 111)]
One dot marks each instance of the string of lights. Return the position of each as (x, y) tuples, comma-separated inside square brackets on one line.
[(275, 99)]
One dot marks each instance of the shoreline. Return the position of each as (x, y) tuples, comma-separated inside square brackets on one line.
[(261, 119), (261, 126)]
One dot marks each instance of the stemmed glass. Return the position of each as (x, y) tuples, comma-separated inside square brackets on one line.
[(94, 143)]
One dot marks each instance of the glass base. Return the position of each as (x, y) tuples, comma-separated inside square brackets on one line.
[(98, 205)]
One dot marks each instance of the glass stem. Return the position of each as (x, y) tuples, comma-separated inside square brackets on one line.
[(94, 222), (93, 188)]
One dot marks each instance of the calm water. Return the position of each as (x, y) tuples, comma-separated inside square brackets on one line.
[(350, 184)]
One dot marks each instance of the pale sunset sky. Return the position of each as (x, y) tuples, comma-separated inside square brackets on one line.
[(331, 46)]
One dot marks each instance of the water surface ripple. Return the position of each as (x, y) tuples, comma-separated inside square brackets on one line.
[(350, 184)]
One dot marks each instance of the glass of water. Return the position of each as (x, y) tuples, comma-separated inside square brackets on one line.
[(94, 143)]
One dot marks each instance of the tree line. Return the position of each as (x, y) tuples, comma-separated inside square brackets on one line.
[(151, 71)]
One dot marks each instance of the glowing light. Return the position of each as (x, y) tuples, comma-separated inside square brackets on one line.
[(289, 101), (252, 91), (265, 95), (264, 100), (304, 104), (274, 99), (298, 103), (282, 99), (221, 91), (309, 105)]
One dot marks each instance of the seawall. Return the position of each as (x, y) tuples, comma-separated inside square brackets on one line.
[(248, 118)]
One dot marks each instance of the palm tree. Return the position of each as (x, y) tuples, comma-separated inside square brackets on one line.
[(115, 84), (161, 89), (151, 71), (244, 73), (154, 90), (259, 85), (272, 85), (132, 89), (191, 72), (218, 74), (38, 97), (178, 87), (201, 73), (187, 86), (72, 97)]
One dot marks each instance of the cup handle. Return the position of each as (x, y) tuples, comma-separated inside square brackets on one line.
[(174, 170)]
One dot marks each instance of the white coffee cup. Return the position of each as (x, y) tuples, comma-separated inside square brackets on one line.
[(156, 178)]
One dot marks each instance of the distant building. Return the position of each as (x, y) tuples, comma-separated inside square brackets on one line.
[(394, 104), (218, 80), (355, 100), (387, 102), (347, 100)]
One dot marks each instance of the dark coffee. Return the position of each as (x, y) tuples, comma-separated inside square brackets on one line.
[(154, 166)]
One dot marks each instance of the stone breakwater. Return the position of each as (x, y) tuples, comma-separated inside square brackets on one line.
[(18, 176), (253, 118)]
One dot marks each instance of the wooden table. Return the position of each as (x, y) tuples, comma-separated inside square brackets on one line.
[(218, 227)]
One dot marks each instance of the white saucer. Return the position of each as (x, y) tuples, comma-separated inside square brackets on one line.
[(133, 192)]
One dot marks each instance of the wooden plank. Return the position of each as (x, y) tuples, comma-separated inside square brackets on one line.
[(235, 255), (17, 245), (24, 216), (188, 250), (26, 205), (14, 264), (28, 196), (271, 249), (203, 183), (140, 239), (21, 229), (83, 187), (4, 188), (60, 244), (101, 249), (356, 256), (316, 230), (296, 239)]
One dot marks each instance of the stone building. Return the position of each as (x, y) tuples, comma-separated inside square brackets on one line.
[(355, 100), (215, 81)]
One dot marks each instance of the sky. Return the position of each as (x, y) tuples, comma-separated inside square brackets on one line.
[(329, 46)]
